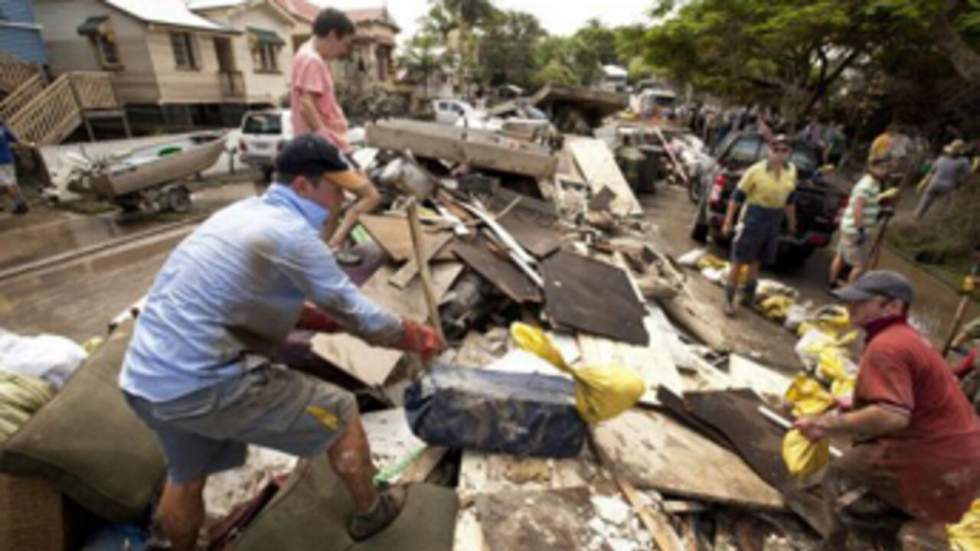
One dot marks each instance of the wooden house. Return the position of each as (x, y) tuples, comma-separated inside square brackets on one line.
[(171, 66), (20, 34)]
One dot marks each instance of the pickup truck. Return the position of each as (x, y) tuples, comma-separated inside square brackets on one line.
[(819, 205)]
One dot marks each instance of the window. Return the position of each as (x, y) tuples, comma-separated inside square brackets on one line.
[(745, 151), (265, 56), (106, 46), (263, 123), (185, 51)]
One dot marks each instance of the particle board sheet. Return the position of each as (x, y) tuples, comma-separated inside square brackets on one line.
[(598, 166), (478, 148), (653, 362), (392, 234), (499, 271), (372, 364), (488, 473), (652, 451), (594, 297), (766, 381), (538, 238), (735, 414)]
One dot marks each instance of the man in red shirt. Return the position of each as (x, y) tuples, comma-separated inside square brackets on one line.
[(916, 437)]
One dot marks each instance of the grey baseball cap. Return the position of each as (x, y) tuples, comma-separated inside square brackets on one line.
[(878, 283)]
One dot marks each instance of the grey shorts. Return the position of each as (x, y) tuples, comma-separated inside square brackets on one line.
[(8, 175), (208, 431), (852, 253)]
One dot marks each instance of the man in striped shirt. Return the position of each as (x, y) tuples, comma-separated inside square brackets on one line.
[(859, 219)]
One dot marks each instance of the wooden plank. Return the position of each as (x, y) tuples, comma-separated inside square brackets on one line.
[(407, 273), (594, 158), (392, 234), (431, 302), (745, 373), (650, 450), (371, 364), (655, 521), (477, 148), (500, 272), (653, 362)]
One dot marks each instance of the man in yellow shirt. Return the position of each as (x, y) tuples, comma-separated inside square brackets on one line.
[(765, 195)]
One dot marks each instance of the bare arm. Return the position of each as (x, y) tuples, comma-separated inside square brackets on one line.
[(730, 216), (367, 199), (791, 217), (872, 421), (307, 109)]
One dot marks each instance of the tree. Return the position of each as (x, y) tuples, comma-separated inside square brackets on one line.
[(555, 72), (421, 59), (600, 40), (504, 48)]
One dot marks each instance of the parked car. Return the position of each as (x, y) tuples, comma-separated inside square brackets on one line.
[(449, 111), (819, 205), (263, 135)]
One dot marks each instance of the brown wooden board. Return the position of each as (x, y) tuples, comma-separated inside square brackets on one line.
[(593, 296), (501, 272), (652, 451), (539, 239), (430, 248), (391, 233), (758, 441)]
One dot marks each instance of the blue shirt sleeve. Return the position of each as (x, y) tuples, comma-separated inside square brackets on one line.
[(308, 263)]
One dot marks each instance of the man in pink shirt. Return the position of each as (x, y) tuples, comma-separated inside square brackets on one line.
[(315, 110), (312, 99)]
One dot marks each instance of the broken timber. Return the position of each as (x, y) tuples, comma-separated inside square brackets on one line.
[(598, 166), (476, 148)]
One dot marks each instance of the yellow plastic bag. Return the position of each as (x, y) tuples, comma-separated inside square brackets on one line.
[(965, 534), (808, 396), (601, 391), (709, 260), (803, 458), (776, 307)]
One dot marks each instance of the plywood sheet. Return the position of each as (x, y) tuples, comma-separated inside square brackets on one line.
[(500, 272), (734, 413), (430, 248), (598, 166), (538, 238), (371, 364), (652, 451), (745, 373), (594, 297), (391, 233)]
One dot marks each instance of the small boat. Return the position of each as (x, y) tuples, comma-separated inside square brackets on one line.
[(148, 178)]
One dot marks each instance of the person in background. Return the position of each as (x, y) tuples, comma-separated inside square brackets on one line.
[(8, 171), (857, 224), (315, 109), (916, 438), (765, 195), (946, 175)]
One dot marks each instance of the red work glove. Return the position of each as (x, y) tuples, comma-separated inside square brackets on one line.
[(314, 319), (420, 338)]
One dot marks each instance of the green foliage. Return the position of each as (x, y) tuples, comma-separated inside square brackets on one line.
[(506, 46), (555, 72)]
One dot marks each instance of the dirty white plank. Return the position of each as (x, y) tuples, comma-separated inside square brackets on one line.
[(652, 451), (596, 162), (763, 380)]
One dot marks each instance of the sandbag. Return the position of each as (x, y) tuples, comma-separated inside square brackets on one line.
[(602, 391), (20, 398), (803, 458), (89, 442), (965, 534), (495, 411)]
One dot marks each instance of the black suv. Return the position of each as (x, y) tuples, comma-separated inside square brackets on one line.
[(819, 205)]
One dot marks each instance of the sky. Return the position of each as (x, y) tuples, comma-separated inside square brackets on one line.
[(561, 17)]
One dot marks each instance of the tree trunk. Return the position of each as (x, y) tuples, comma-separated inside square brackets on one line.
[(965, 59)]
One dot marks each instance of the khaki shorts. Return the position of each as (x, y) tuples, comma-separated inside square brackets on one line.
[(208, 431), (852, 253), (8, 175)]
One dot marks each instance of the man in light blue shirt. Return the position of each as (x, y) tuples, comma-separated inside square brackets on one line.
[(197, 372)]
